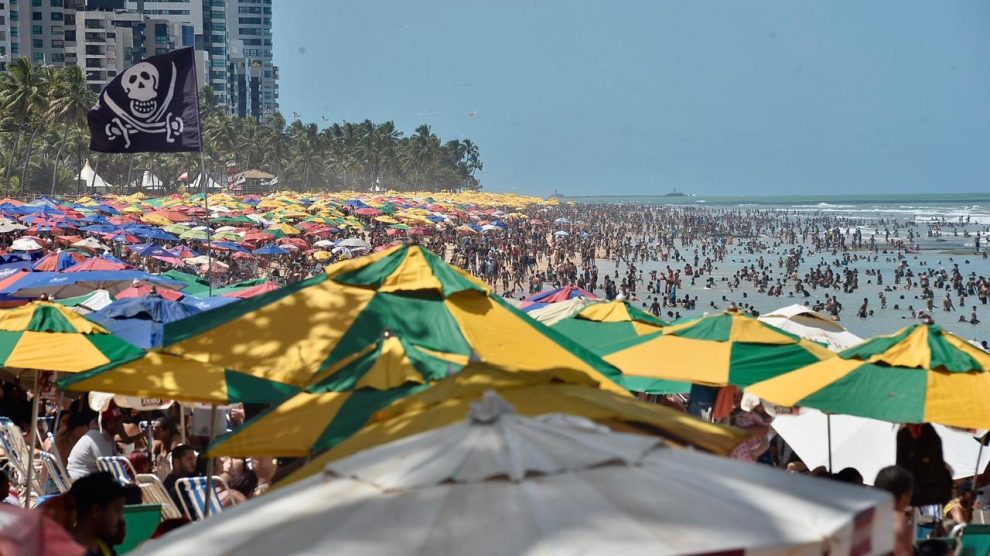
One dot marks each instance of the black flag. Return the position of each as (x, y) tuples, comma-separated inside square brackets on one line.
[(152, 106)]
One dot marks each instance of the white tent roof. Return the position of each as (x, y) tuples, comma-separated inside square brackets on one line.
[(868, 445), (500, 483), (96, 301), (91, 179), (210, 184), (553, 313), (803, 322), (148, 181)]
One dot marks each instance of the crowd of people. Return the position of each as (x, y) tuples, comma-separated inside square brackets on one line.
[(663, 258)]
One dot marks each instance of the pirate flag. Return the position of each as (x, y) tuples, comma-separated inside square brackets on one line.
[(152, 106)]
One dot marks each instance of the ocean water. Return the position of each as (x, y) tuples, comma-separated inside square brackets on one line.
[(922, 207), (957, 215)]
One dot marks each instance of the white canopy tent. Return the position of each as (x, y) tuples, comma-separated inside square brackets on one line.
[(868, 445), (803, 322), (500, 483), (211, 184), (148, 181), (90, 180)]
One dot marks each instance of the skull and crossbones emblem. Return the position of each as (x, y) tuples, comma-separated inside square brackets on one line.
[(144, 113)]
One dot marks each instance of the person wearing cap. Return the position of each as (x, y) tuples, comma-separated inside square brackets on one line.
[(99, 525), (99, 441)]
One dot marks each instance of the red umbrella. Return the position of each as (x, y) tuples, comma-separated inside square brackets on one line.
[(141, 290), (295, 241), (171, 215), (97, 263), (174, 261), (253, 291), (256, 235), (242, 255), (32, 533), (50, 262), (368, 211), (67, 240)]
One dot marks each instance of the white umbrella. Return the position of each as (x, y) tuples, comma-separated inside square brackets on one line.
[(7, 226), (90, 243), (324, 243), (489, 227), (561, 233), (553, 313), (802, 321), (96, 301), (500, 483), (868, 445), (353, 243), (561, 221), (25, 244)]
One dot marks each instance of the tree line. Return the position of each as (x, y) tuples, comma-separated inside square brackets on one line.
[(44, 141)]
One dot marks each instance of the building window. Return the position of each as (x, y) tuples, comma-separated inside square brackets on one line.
[(56, 16), (58, 57), (37, 29), (188, 35), (39, 57), (37, 43), (14, 16), (36, 3), (56, 3), (36, 16), (15, 48)]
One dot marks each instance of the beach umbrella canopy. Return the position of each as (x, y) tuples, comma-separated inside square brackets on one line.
[(608, 322), (342, 399), (560, 484), (272, 250), (26, 532), (277, 343), (252, 291), (57, 261), (801, 320), (142, 290), (141, 320), (868, 445), (716, 350), (556, 295), (98, 263), (449, 400), (920, 374), (73, 284), (46, 336), (25, 244), (85, 304)]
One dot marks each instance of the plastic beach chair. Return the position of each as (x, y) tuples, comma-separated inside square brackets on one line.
[(15, 451), (975, 540), (57, 474), (153, 492), (192, 496), (118, 466)]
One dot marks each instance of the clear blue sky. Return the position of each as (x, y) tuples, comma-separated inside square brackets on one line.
[(725, 97)]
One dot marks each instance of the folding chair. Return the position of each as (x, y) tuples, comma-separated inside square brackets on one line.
[(57, 474), (192, 496), (16, 453), (153, 492), (975, 540), (119, 466)]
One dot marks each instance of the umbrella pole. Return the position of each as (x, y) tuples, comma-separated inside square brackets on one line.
[(34, 433), (206, 205), (828, 428), (210, 461), (58, 417), (182, 423)]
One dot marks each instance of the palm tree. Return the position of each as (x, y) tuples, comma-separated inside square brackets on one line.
[(70, 101), (22, 93)]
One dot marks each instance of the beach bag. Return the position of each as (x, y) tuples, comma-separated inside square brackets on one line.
[(919, 450)]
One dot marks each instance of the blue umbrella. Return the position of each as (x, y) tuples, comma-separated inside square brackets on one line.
[(231, 246), (141, 320), (72, 284), (271, 250)]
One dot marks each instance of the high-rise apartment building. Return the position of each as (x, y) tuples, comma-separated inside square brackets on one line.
[(232, 39)]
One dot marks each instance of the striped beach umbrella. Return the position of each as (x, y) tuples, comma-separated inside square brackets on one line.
[(532, 393), (716, 350), (920, 374), (46, 336), (263, 348)]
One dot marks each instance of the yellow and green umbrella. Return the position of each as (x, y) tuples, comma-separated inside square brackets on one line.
[(601, 324), (606, 326), (530, 393), (717, 350), (268, 347), (46, 336), (341, 400), (920, 374)]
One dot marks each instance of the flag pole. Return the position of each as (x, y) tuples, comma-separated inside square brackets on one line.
[(206, 199)]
